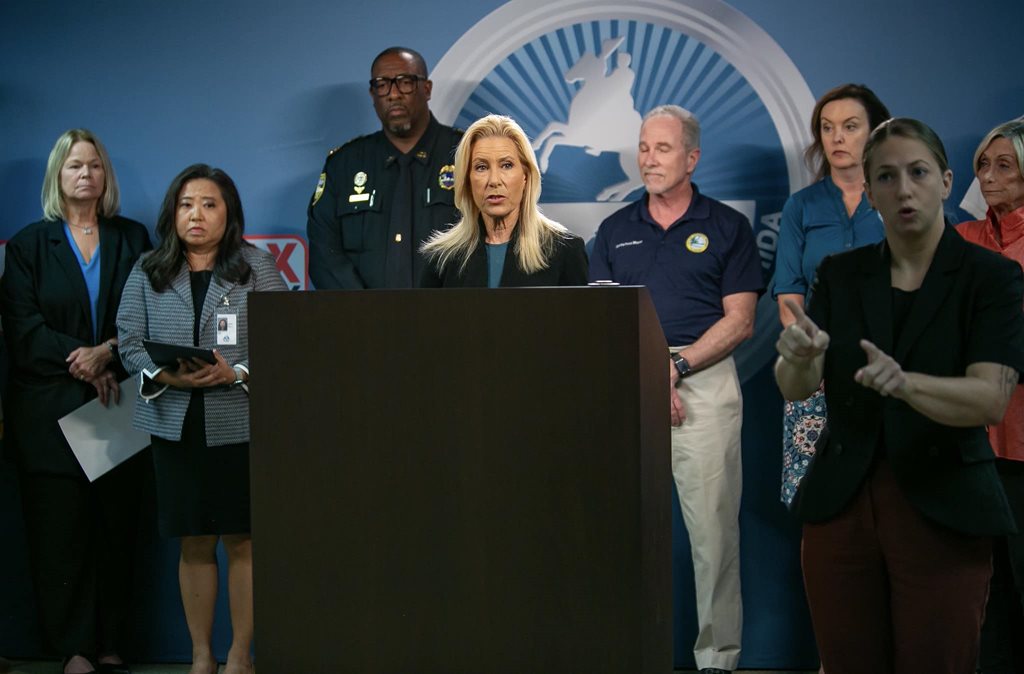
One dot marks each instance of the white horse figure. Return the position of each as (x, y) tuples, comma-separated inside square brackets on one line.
[(601, 117)]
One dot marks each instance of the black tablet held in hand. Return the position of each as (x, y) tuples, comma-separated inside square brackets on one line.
[(167, 355)]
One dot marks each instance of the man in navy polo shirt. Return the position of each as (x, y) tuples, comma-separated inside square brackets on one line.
[(699, 261)]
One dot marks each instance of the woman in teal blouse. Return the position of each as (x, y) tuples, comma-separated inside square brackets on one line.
[(826, 217)]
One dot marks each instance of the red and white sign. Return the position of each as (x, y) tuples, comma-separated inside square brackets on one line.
[(291, 255)]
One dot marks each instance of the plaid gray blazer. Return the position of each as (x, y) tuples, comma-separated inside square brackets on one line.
[(169, 317)]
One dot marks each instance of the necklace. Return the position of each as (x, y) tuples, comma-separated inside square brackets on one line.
[(85, 230)]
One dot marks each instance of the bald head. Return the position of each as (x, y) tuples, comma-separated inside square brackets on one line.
[(411, 55)]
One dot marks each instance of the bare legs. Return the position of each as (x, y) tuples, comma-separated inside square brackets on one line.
[(239, 549), (197, 575)]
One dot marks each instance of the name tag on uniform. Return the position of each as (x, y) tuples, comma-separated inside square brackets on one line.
[(227, 329), (358, 197)]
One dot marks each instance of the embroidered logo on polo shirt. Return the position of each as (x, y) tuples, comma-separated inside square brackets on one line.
[(697, 242), (635, 242)]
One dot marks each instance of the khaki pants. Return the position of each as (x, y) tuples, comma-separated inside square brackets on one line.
[(707, 469)]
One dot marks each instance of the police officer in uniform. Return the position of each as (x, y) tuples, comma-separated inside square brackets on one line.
[(381, 195)]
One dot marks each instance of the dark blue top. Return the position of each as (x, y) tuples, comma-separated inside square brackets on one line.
[(815, 224), (91, 274), (705, 255), (495, 263)]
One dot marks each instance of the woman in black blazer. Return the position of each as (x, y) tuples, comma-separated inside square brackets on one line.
[(919, 340), (59, 298), (502, 240)]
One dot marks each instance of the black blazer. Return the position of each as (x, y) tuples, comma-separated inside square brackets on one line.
[(968, 310), (567, 266), (46, 316)]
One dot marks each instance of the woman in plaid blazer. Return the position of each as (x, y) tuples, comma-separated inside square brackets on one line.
[(192, 291)]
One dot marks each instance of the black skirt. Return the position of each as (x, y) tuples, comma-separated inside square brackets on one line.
[(201, 490)]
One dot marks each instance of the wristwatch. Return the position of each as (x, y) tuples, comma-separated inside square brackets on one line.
[(682, 365), (238, 377)]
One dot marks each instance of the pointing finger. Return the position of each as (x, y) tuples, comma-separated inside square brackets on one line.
[(795, 309), (871, 350)]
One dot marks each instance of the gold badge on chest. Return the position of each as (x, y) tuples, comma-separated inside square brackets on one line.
[(358, 188)]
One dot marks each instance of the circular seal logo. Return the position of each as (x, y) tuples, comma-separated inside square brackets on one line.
[(578, 76), (697, 242), (446, 177), (360, 179)]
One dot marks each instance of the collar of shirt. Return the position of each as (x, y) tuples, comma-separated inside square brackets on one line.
[(837, 198), (699, 209), (1011, 226), (421, 152)]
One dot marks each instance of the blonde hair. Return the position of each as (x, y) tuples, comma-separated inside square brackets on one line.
[(1012, 131), (537, 234), (52, 196)]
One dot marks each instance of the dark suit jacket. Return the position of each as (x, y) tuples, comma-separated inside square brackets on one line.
[(968, 310), (46, 316), (567, 266)]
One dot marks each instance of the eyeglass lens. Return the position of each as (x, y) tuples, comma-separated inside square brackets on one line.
[(405, 83)]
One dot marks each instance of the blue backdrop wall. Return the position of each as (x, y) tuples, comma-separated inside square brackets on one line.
[(265, 89)]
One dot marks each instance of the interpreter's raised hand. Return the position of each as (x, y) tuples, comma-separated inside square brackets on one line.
[(87, 362), (882, 373), (802, 341)]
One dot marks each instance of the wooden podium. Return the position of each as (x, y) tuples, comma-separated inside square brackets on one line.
[(461, 481)]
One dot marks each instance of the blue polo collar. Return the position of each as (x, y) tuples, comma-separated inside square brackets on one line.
[(699, 209)]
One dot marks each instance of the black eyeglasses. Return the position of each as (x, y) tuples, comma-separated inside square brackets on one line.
[(381, 86)]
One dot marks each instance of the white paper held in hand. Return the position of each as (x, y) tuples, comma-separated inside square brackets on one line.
[(102, 437)]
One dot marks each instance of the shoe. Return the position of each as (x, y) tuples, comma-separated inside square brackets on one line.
[(110, 668), (65, 661), (714, 670)]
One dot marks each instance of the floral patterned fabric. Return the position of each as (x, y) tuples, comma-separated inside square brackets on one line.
[(803, 423)]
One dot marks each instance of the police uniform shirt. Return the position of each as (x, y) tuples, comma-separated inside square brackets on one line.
[(349, 215), (707, 254)]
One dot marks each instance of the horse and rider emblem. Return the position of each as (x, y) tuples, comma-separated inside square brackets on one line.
[(602, 116)]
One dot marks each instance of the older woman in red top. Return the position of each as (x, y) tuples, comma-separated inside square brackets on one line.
[(999, 165)]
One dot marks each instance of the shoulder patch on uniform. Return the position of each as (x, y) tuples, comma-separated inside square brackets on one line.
[(320, 183)]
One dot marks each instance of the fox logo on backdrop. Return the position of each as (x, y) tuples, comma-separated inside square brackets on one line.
[(291, 256), (578, 77)]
